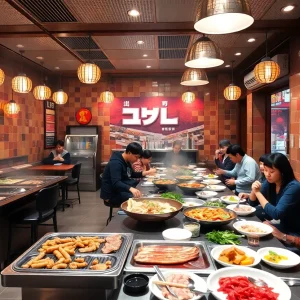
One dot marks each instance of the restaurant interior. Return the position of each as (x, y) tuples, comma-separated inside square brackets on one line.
[(99, 75)]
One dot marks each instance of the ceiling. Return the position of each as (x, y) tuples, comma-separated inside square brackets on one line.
[(57, 31)]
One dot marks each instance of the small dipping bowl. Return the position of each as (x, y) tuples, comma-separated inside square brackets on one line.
[(177, 234), (136, 283)]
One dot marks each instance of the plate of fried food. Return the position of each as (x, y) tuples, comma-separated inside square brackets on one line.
[(229, 256), (181, 277), (210, 215)]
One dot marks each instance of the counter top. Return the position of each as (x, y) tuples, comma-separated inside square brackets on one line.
[(159, 150)]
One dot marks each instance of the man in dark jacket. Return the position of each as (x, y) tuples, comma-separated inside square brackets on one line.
[(58, 155), (176, 158), (118, 184), (223, 161)]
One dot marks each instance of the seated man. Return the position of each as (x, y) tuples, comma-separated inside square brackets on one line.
[(246, 170), (58, 155), (176, 157), (118, 184)]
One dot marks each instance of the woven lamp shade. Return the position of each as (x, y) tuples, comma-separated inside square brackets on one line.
[(232, 92), (188, 97), (204, 53), (11, 108), (89, 73), (22, 84), (42, 92), (223, 16), (194, 77), (107, 97), (60, 97), (266, 71), (2, 76)]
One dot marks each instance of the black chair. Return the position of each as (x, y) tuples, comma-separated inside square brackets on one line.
[(73, 180), (45, 209)]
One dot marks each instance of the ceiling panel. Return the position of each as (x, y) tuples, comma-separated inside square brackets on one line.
[(111, 11), (104, 64), (32, 43), (10, 16), (173, 41), (171, 64), (92, 54), (135, 64), (229, 54), (125, 42), (260, 7), (172, 53), (66, 65), (185, 10), (275, 13), (130, 54), (79, 42), (224, 40)]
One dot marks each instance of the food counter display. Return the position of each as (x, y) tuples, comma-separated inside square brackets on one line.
[(68, 263)]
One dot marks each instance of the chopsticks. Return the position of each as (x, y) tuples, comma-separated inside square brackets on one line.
[(173, 284)]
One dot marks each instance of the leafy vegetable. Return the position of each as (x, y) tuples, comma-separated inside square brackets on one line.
[(172, 195), (185, 172), (223, 237), (214, 204)]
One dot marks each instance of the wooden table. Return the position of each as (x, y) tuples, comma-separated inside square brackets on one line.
[(61, 168)]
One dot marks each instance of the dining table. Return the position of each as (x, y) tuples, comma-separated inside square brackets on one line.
[(153, 231), (57, 169)]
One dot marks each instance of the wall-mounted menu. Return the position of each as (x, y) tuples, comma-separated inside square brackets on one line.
[(49, 124)]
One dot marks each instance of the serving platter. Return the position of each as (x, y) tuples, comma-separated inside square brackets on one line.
[(203, 265), (264, 229)]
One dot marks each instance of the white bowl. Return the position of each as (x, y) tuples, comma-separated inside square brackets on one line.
[(192, 166), (273, 281), (211, 181), (161, 168), (198, 178), (177, 234), (216, 188), (292, 261), (190, 202), (200, 284), (194, 172), (200, 169), (206, 194), (210, 176), (267, 229), (216, 251), (240, 212), (232, 199)]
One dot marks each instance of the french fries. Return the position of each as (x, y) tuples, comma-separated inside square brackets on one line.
[(235, 256), (101, 267)]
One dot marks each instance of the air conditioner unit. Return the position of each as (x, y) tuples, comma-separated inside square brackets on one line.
[(283, 61)]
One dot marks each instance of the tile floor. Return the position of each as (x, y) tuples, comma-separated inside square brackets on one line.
[(89, 216)]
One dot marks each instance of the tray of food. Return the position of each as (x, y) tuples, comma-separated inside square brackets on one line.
[(9, 180), (176, 255), (71, 252)]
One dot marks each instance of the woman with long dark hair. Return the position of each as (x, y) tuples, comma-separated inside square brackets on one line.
[(143, 163), (279, 195)]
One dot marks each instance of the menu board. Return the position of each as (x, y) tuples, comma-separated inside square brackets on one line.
[(49, 124)]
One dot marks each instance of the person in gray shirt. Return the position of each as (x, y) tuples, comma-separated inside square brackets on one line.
[(246, 170)]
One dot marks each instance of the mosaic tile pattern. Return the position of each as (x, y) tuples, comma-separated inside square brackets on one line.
[(219, 117)]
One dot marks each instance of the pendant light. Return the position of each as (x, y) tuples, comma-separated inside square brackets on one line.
[(42, 92), (194, 77), (107, 97), (204, 53), (232, 92), (2, 76), (89, 72), (267, 70), (11, 108), (223, 16), (60, 97), (188, 97), (21, 83)]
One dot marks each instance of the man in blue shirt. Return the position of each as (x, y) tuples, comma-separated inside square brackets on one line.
[(246, 170)]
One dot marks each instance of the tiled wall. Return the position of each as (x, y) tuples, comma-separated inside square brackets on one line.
[(220, 118), (23, 134)]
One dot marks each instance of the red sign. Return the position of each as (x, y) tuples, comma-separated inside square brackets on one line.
[(83, 116)]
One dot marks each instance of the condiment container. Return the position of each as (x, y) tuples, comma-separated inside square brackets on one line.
[(253, 240), (193, 227)]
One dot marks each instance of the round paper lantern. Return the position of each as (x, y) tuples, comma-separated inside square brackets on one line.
[(60, 97), (42, 92), (232, 92), (11, 108), (266, 71), (22, 84), (188, 97), (89, 73), (2, 76), (107, 97)]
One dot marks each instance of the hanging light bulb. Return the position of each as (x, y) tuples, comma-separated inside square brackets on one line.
[(11, 108), (42, 92), (223, 16), (232, 92), (89, 72), (267, 70), (204, 53), (22, 83), (194, 77), (60, 97), (188, 97), (107, 97), (2, 76)]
